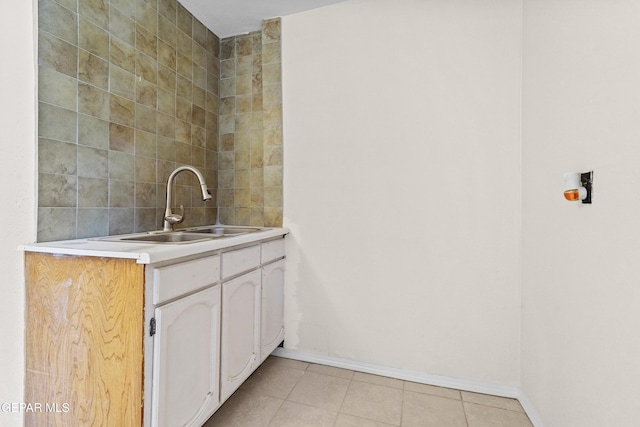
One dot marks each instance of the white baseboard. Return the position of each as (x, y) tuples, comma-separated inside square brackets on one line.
[(531, 411), (415, 376)]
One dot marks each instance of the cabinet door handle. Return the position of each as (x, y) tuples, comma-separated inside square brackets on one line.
[(152, 326)]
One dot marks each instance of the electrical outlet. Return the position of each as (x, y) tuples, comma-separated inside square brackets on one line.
[(586, 179)]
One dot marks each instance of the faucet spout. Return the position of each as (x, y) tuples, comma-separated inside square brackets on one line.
[(170, 218)]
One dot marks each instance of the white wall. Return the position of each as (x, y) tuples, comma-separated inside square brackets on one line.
[(17, 174), (401, 184), (581, 264)]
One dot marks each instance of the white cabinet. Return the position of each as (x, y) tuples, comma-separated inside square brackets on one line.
[(240, 345), (240, 260), (272, 324), (176, 280), (217, 318), (186, 360)]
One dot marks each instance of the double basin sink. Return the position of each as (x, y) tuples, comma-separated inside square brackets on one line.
[(187, 235)]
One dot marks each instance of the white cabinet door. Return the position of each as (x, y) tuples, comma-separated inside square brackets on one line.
[(240, 346), (272, 328), (185, 360)]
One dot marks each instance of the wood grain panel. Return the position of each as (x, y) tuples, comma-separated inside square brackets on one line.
[(84, 341)]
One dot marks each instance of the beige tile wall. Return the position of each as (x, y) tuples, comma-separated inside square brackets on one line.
[(250, 151), (131, 89), (128, 91), (272, 121)]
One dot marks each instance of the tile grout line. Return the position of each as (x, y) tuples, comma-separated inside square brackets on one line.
[(437, 395), (338, 412), (343, 399), (464, 411), (305, 404), (286, 399), (521, 411), (274, 413), (496, 407), (402, 403)]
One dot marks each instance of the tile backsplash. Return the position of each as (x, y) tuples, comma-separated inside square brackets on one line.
[(130, 90), (250, 112)]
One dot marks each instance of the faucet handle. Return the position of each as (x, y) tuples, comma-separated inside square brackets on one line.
[(175, 218)]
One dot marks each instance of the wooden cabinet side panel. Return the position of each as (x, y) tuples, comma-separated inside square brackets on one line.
[(84, 341)]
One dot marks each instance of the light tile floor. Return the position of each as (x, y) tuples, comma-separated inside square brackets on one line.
[(290, 393)]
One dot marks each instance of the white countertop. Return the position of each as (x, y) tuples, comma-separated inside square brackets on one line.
[(148, 253)]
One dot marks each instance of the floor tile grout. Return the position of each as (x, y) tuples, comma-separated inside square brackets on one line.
[(492, 406), (402, 403), (274, 414), (464, 411), (342, 402)]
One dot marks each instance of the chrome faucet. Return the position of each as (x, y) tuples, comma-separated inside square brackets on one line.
[(170, 218)]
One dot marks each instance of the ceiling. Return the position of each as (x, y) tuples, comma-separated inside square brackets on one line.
[(232, 17)]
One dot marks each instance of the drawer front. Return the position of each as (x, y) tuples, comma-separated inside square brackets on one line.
[(272, 250), (173, 281), (240, 260)]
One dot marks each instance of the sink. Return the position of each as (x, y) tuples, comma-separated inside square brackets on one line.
[(222, 230), (187, 235), (175, 237)]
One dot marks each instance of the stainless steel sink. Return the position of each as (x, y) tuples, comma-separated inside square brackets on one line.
[(222, 230), (174, 237), (187, 235)]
